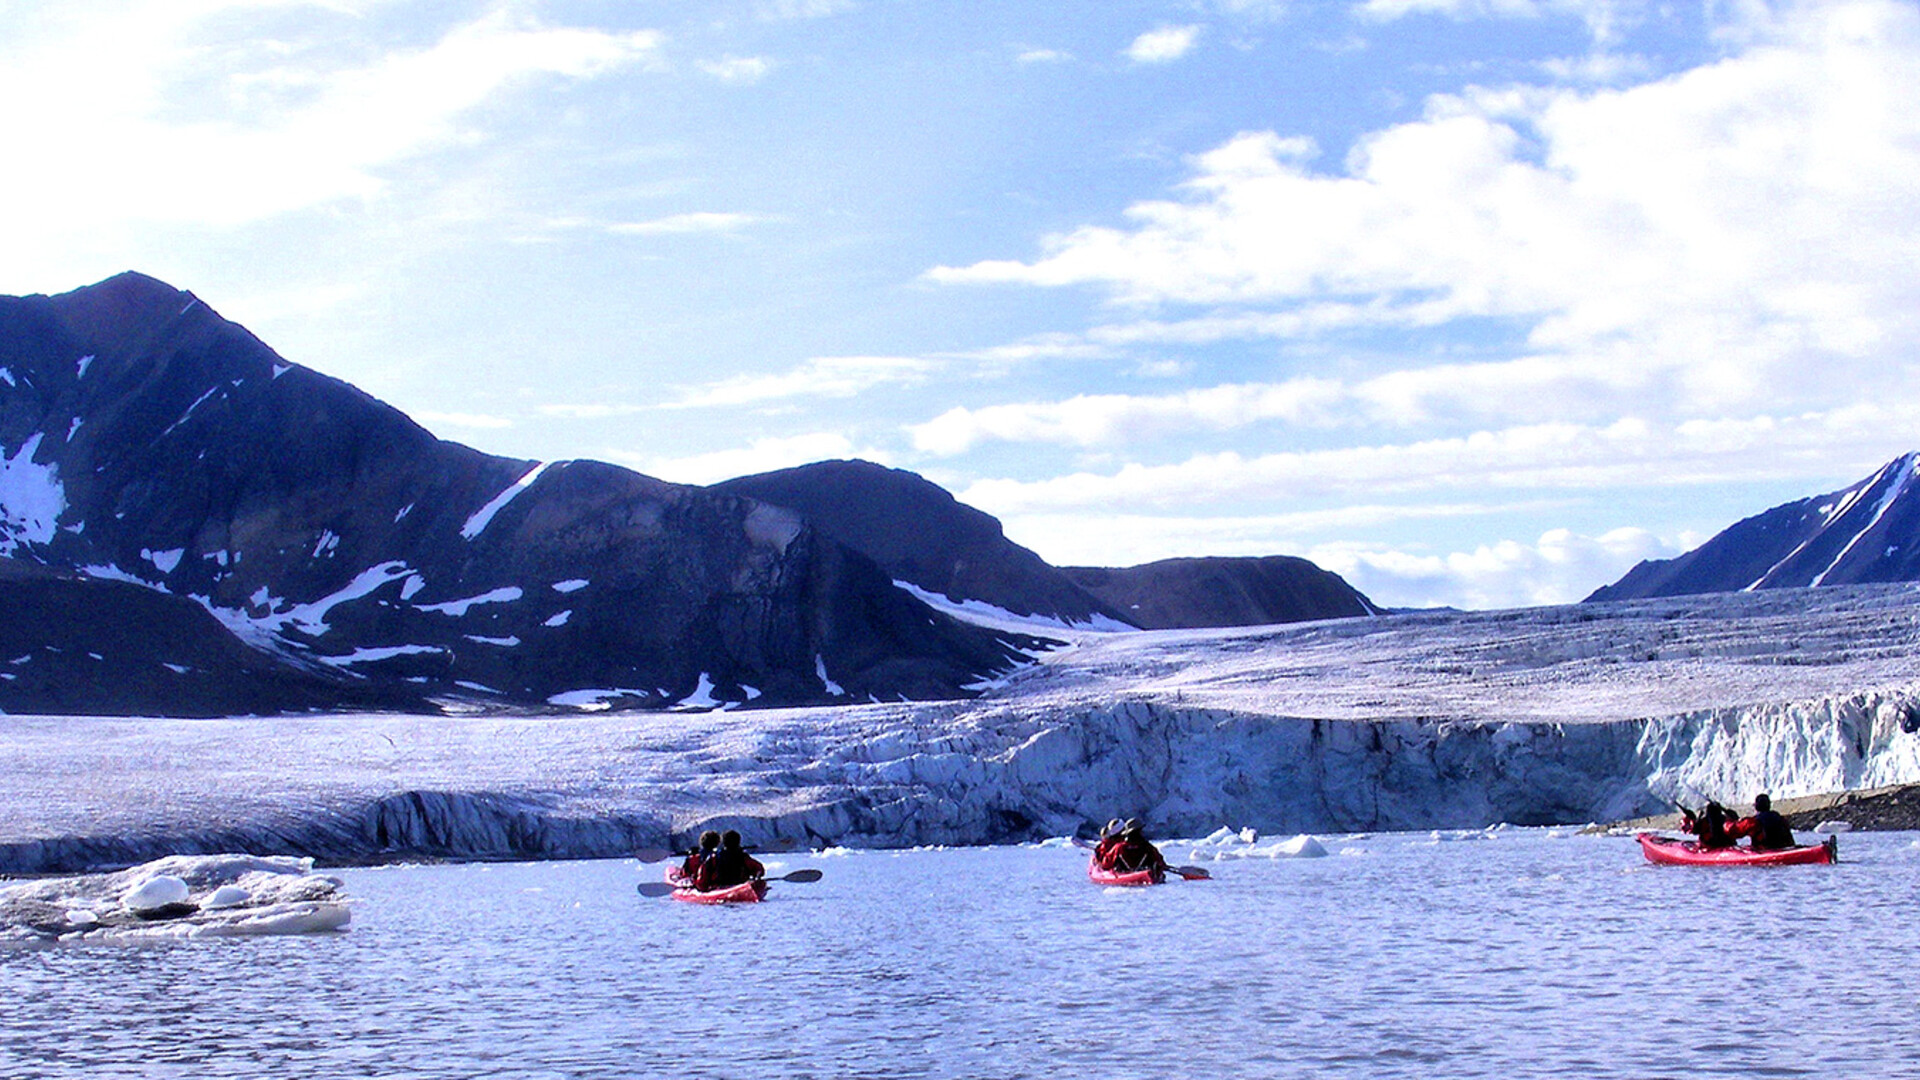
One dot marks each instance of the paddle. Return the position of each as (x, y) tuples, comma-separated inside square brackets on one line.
[(1187, 873), (663, 888)]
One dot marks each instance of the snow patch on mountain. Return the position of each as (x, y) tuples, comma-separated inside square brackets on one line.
[(163, 561), (483, 517), (458, 608), (820, 672), (31, 498), (981, 613), (384, 652)]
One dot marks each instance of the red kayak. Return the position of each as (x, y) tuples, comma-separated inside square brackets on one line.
[(1118, 877), (749, 892), (1670, 852)]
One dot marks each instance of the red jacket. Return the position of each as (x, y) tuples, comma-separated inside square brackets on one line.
[(1769, 830), (690, 869), (1136, 854), (1103, 852)]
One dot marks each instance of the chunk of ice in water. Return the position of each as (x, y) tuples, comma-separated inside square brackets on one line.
[(156, 892), (227, 896)]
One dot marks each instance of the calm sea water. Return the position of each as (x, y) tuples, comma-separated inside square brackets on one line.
[(1516, 956)]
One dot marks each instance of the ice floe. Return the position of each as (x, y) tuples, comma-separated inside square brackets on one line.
[(181, 896)]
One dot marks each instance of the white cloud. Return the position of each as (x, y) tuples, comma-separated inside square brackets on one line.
[(803, 9), (430, 419), (595, 410), (1604, 18), (1163, 45), (762, 455), (738, 69), (1043, 56), (1717, 241), (1111, 419), (825, 376), (151, 113), (1626, 453), (1562, 567), (684, 224)]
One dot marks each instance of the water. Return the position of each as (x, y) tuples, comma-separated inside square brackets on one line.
[(1516, 956)]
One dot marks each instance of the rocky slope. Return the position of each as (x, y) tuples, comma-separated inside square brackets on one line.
[(1869, 532), (144, 439), (921, 534), (1176, 594)]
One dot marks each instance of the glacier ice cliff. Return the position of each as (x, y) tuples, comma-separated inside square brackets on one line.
[(1430, 720)]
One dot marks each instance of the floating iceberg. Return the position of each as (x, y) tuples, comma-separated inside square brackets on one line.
[(181, 896)]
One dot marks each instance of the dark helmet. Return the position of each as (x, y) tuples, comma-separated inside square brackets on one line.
[(1113, 828), (1133, 827), (730, 839), (1762, 803), (709, 840)]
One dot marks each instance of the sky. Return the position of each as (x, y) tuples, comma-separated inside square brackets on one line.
[(1474, 302)]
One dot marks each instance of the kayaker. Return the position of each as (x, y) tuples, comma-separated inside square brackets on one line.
[(730, 865), (1109, 839), (709, 843), (1767, 827), (1710, 826), (1134, 853)]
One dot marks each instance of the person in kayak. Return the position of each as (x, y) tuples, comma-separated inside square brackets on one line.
[(1709, 827), (1109, 839), (730, 865), (1134, 853), (1766, 826), (696, 860)]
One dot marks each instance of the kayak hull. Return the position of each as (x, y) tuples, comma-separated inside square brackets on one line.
[(1118, 877), (1669, 852), (751, 892)]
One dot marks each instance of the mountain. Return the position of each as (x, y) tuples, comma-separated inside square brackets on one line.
[(920, 534), (146, 440), (1175, 594), (1869, 532)]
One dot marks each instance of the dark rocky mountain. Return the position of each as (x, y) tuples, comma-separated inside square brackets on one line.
[(146, 440), (1188, 593), (1869, 532), (71, 644), (921, 534)]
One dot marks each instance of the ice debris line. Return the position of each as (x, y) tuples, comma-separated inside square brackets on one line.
[(180, 896)]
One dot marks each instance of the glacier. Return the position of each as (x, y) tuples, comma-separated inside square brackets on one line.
[(1412, 721)]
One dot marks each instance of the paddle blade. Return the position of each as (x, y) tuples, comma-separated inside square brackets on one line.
[(801, 876), (654, 889), (652, 854), (1192, 873)]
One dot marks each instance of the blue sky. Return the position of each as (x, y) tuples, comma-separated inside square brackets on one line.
[(1476, 302)]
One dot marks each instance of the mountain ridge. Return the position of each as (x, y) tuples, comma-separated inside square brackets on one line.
[(146, 439), (1857, 535)]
